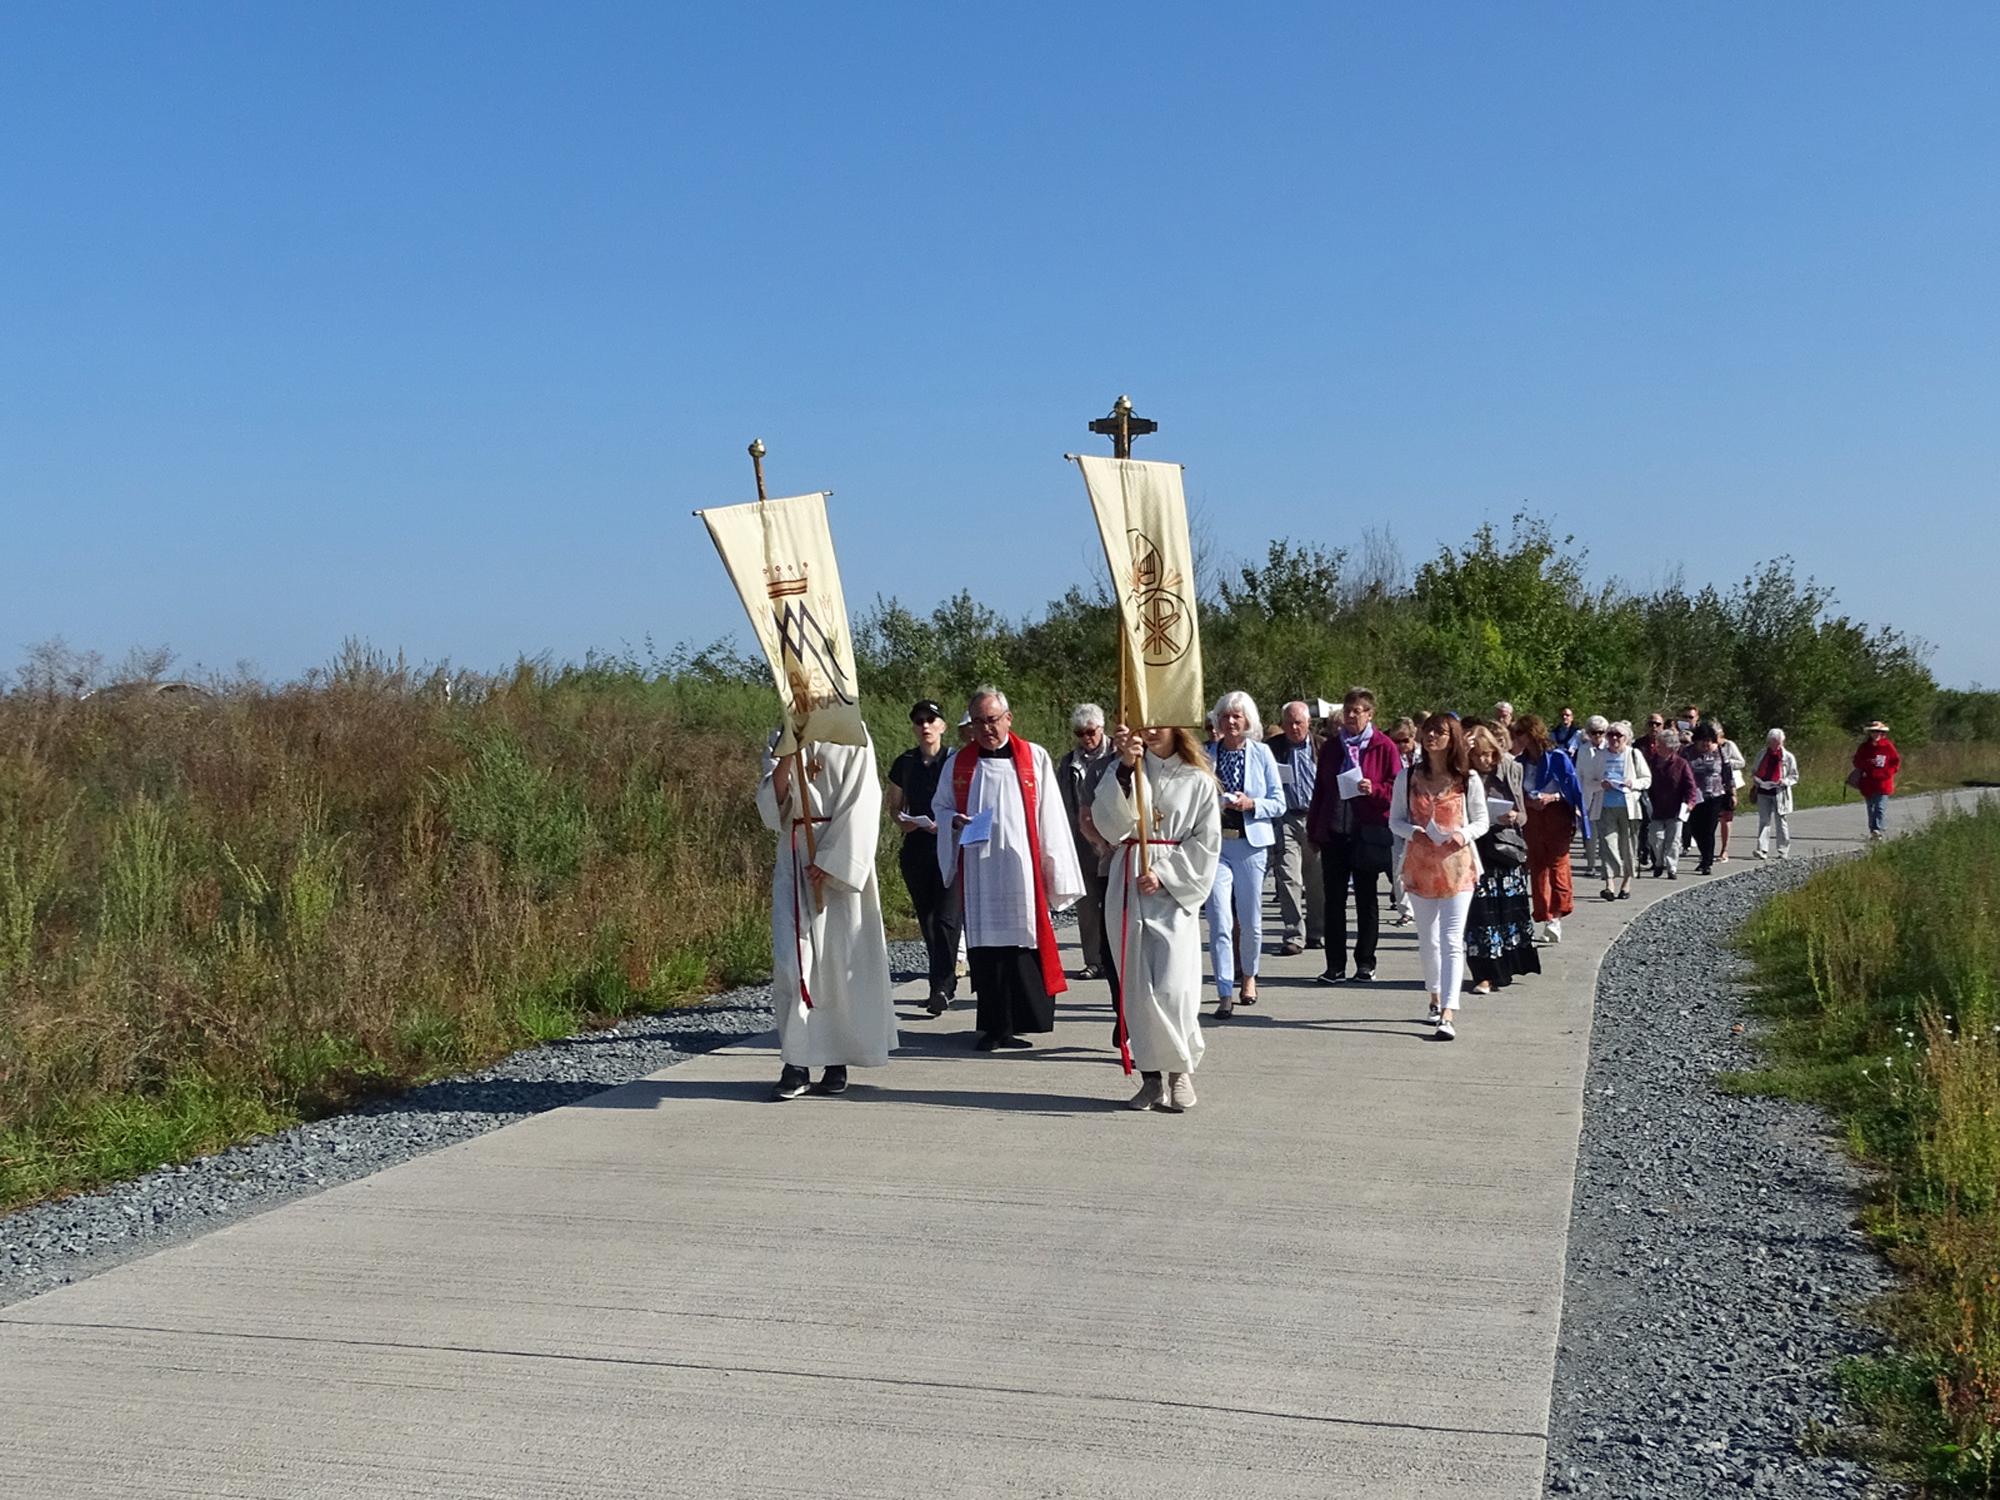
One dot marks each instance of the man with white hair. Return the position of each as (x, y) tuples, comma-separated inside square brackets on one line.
[(1301, 897), (1503, 715), (1003, 835), (1077, 774)]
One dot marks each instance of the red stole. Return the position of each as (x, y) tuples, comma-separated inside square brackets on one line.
[(962, 767)]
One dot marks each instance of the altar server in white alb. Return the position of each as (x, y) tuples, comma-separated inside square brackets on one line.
[(1153, 921), (1003, 834), (829, 960)]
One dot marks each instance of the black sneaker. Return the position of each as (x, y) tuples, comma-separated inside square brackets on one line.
[(792, 1082), (832, 1081), (1333, 976), (1363, 976)]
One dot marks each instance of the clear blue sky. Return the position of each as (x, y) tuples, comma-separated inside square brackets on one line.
[(430, 323)]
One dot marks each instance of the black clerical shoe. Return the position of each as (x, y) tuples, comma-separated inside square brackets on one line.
[(987, 1041), (832, 1081), (1013, 1043), (792, 1082)]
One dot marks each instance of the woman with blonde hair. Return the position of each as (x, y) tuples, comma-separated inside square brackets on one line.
[(1253, 799), (1439, 807), (1499, 925), (1152, 918)]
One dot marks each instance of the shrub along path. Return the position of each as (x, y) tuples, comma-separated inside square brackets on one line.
[(1342, 1274)]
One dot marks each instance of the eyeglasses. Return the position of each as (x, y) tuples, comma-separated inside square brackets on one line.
[(1615, 734), (1437, 734), (1086, 732), (988, 721)]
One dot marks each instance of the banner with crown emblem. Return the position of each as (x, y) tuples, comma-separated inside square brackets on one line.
[(1142, 516), (779, 554)]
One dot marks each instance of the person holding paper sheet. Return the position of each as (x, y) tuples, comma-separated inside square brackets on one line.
[(1252, 800), (829, 960), (1155, 918), (1555, 810), (1439, 805), (1002, 833), (913, 783), (1349, 821), (1500, 926)]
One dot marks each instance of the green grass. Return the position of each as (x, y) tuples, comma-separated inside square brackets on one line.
[(1942, 766), (217, 919), (1882, 975)]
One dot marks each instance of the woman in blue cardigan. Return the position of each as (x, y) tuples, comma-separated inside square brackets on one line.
[(1252, 803)]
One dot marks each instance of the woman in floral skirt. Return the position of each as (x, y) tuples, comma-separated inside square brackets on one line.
[(1499, 925)]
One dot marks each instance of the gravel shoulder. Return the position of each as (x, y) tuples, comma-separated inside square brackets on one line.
[(1715, 1274), (55, 1243)]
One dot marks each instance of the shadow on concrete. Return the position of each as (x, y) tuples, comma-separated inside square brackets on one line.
[(1337, 1025), (656, 1093)]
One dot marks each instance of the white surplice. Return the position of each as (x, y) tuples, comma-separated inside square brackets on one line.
[(999, 874), (1157, 937), (833, 948)]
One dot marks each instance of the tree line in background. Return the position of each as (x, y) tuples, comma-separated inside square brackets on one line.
[(1503, 616)]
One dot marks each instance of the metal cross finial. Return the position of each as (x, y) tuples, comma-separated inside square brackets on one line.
[(1121, 427)]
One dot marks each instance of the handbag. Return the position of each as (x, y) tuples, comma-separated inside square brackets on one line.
[(1505, 846), (1854, 778)]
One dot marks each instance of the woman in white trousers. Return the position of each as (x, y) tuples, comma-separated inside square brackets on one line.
[(1439, 808)]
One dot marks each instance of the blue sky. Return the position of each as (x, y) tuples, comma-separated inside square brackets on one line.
[(430, 323)]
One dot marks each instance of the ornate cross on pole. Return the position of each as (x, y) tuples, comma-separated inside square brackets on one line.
[(1121, 427)]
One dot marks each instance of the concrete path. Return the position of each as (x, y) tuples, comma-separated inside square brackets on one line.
[(978, 1275)]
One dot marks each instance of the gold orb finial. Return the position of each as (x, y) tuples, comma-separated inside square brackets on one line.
[(756, 447), (1123, 403)]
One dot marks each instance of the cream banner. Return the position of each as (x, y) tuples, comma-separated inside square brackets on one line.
[(1142, 516), (779, 554)]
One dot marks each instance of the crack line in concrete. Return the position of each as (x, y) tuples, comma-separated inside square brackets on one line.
[(696, 1366)]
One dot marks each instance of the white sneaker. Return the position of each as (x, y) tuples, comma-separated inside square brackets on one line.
[(1760, 854), (1435, 1014), (1180, 1091), (1555, 929), (1444, 1032), (1152, 1094)]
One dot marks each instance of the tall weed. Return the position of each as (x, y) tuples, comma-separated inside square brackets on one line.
[(1882, 975)]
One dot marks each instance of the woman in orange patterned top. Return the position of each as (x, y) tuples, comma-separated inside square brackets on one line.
[(1439, 807)]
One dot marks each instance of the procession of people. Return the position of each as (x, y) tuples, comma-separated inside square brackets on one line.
[(1162, 843)]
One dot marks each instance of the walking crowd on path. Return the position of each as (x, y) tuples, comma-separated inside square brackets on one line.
[(1477, 824)]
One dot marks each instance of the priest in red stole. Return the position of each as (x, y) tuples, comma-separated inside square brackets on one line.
[(1003, 836)]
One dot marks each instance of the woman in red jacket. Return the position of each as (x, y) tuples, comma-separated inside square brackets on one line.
[(1875, 765)]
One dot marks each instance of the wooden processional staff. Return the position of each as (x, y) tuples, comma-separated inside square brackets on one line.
[(798, 755)]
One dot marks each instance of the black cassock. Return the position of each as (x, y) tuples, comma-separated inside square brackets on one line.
[(1012, 999)]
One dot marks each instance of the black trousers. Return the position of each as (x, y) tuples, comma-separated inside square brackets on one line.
[(937, 909), (1349, 862), (1702, 823)]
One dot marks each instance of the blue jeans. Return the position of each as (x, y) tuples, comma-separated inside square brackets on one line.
[(1236, 900), (1878, 812)]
